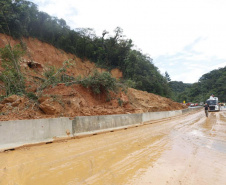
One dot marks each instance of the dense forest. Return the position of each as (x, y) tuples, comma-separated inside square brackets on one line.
[(21, 18), (179, 88), (213, 82)]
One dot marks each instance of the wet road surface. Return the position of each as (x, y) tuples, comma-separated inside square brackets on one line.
[(190, 149)]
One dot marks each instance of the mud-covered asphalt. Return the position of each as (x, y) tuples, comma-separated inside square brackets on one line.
[(190, 149)]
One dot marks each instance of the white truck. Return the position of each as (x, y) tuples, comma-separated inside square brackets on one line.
[(213, 103)]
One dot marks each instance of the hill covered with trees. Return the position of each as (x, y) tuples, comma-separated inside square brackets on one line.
[(22, 18), (213, 82), (178, 89)]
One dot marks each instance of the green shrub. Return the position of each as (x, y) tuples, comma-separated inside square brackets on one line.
[(32, 96), (1, 97), (51, 77), (11, 74), (130, 83), (66, 78), (55, 76), (100, 82), (120, 102)]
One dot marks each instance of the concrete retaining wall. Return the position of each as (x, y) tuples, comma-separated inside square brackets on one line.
[(184, 111), (21, 132), (148, 116), (93, 123)]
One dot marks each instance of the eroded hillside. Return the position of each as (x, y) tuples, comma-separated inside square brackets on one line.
[(40, 55), (74, 100)]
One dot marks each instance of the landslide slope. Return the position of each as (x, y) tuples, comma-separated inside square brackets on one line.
[(74, 100)]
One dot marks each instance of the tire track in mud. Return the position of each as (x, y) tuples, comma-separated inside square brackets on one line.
[(197, 155)]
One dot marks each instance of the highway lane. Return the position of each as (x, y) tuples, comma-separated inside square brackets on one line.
[(190, 149)]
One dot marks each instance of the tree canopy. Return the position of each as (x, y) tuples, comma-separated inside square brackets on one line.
[(20, 18), (209, 83)]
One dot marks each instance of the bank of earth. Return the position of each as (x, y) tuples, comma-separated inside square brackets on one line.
[(75, 100)]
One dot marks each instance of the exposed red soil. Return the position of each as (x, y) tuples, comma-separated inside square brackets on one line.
[(47, 55), (74, 100)]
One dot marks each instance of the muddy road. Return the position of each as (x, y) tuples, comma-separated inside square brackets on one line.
[(190, 149)]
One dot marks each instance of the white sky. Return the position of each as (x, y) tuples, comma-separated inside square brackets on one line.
[(186, 38)]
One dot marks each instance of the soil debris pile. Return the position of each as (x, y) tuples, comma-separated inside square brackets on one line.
[(62, 100), (76, 100), (148, 102)]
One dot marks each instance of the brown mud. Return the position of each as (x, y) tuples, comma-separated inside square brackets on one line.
[(190, 149)]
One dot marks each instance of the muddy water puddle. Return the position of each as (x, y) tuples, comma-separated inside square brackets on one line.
[(180, 151)]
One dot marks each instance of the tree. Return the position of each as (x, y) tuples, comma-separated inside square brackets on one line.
[(21, 18), (209, 83), (167, 76)]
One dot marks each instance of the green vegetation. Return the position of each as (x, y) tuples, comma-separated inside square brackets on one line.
[(11, 76), (32, 96), (21, 18), (100, 82), (179, 91), (14, 79), (210, 83), (55, 76)]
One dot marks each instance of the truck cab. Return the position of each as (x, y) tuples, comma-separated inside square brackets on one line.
[(213, 104)]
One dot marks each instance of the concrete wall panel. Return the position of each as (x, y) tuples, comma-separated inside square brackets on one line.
[(92, 123), (32, 131), (20, 132)]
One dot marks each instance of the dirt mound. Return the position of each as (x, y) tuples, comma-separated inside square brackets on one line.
[(74, 100), (148, 102)]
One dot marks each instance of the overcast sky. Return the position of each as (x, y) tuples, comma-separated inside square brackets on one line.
[(186, 38)]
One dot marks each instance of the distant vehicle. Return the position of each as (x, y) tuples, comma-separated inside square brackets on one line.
[(188, 104), (213, 103)]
